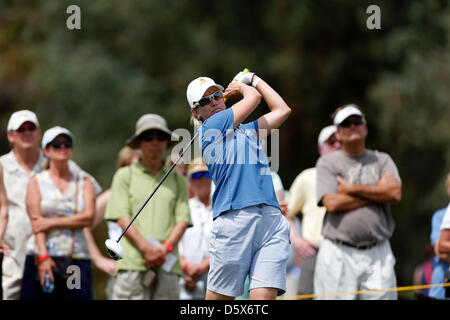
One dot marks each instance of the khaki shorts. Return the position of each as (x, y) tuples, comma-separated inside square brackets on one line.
[(130, 285)]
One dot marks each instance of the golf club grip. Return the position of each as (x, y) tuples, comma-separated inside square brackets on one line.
[(225, 98), (157, 187)]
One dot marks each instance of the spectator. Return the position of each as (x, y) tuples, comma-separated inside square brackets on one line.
[(60, 204), (423, 273), (3, 222), (249, 234), (19, 165), (194, 244), (356, 186), (139, 274), (441, 260), (303, 200), (443, 245), (126, 157)]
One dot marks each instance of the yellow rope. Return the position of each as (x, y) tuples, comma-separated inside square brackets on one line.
[(409, 288)]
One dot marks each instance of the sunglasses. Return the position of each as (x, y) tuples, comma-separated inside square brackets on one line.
[(199, 175), (348, 122), (152, 136), (23, 129), (57, 144), (207, 100)]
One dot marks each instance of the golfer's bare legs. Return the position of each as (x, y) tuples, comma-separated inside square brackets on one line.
[(211, 295), (255, 294), (263, 294)]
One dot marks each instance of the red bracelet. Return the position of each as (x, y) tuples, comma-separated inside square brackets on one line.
[(185, 266), (43, 258), (168, 246)]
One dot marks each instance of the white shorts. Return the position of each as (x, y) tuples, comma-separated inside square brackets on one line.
[(343, 269), (253, 241)]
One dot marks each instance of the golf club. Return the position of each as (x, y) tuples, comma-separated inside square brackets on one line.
[(114, 248)]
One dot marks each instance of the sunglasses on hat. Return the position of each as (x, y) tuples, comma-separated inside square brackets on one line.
[(349, 121), (207, 100), (57, 144), (199, 175)]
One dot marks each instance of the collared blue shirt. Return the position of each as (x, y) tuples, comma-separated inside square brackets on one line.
[(237, 163)]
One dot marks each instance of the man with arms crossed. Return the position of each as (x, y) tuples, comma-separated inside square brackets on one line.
[(356, 185)]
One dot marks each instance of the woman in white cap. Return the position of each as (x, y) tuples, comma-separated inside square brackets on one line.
[(60, 204), (249, 234)]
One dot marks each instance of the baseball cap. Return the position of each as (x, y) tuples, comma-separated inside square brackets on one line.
[(19, 117), (196, 89), (52, 133), (150, 121), (349, 110), (197, 165), (325, 134)]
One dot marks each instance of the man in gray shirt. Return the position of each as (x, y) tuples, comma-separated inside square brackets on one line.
[(356, 185)]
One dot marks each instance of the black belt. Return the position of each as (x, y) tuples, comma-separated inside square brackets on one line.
[(357, 246)]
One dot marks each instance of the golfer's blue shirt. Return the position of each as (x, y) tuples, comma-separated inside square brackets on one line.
[(237, 163)]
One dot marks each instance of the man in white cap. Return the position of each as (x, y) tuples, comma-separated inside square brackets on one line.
[(139, 275), (356, 186), (302, 199), (19, 165)]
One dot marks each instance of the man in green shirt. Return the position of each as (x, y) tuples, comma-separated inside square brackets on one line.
[(166, 216)]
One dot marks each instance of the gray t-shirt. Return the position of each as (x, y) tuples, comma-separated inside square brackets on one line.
[(366, 224)]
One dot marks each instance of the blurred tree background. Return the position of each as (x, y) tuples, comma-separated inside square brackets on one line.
[(131, 58)]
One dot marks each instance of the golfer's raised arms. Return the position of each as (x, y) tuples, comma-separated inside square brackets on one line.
[(252, 88), (243, 108), (279, 110)]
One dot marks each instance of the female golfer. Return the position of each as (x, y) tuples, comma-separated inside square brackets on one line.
[(249, 234)]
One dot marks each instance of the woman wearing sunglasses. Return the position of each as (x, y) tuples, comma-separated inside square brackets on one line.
[(60, 204), (249, 234)]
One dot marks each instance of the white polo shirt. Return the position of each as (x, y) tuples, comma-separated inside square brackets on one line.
[(194, 245)]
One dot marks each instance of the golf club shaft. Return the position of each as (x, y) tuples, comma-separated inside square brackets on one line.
[(157, 187)]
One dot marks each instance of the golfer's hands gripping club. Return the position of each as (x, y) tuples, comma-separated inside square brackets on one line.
[(242, 75)]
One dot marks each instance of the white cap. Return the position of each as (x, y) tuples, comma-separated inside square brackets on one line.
[(346, 112), (325, 134), (196, 89), (20, 117), (52, 133)]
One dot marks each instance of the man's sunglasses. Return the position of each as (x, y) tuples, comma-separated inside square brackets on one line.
[(152, 136), (348, 122), (207, 100), (199, 175), (23, 129), (57, 144)]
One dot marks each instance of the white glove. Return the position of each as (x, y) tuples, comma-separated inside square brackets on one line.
[(245, 78)]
